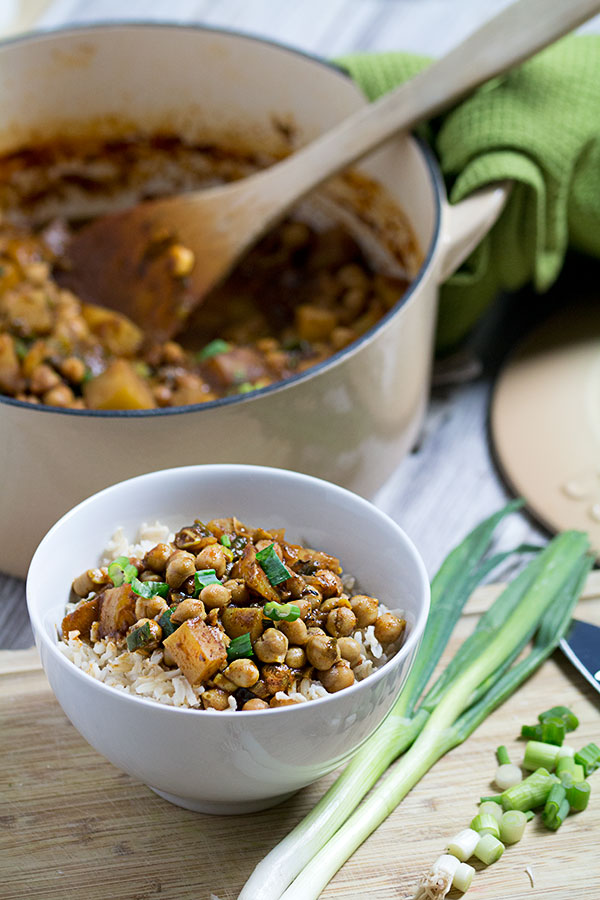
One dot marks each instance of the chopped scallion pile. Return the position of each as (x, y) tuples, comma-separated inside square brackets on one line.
[(273, 568)]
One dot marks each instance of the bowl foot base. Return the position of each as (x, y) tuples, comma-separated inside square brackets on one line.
[(217, 808)]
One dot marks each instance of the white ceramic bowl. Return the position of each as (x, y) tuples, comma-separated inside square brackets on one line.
[(228, 762)]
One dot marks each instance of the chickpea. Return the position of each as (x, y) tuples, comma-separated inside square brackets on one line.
[(389, 628), (188, 609), (315, 629), (158, 557), (341, 336), (243, 672), (61, 395), (149, 575), (296, 586), (338, 677), (350, 650), (149, 607), (179, 567), (238, 590), (334, 603), (255, 704), (296, 632), (283, 700), (162, 394), (327, 582), (224, 683), (322, 651), (215, 596), (295, 658), (215, 699), (43, 378), (304, 605), (182, 260), (341, 622), (213, 557), (89, 581), (172, 353), (365, 609), (271, 646), (276, 678), (73, 369)]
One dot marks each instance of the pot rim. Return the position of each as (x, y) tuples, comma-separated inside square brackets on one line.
[(436, 182)]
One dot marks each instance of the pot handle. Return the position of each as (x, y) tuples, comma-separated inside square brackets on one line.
[(464, 224)]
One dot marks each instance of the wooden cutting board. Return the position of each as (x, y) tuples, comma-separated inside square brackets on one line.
[(73, 826)]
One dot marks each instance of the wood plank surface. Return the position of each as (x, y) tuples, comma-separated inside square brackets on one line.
[(73, 826)]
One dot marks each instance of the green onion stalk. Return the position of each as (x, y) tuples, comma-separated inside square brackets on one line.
[(539, 605), (460, 573)]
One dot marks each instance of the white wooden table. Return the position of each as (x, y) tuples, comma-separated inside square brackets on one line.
[(449, 483)]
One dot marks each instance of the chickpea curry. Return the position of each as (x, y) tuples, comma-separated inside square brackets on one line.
[(303, 293), (251, 620)]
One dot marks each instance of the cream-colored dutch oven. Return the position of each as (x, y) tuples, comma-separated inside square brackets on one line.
[(350, 419)]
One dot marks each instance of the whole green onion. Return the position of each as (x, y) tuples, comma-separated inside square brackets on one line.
[(540, 755), (489, 849), (578, 796), (512, 826), (589, 758), (570, 719), (531, 792), (556, 807)]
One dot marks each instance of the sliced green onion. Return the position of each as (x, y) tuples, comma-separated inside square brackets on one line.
[(240, 648), (463, 844), (529, 814), (213, 349), (507, 775), (578, 773), (149, 588), (531, 732), (502, 756), (556, 807), (530, 793), (553, 731), (485, 824), (564, 765), (565, 751), (512, 826), (165, 621), (139, 637), (489, 849), (578, 796), (226, 540), (494, 798), (281, 612), (203, 578), (562, 712), (463, 877), (273, 568), (121, 571), (491, 808), (540, 755), (589, 758)]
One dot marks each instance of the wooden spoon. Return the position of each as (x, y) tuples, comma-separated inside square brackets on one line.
[(120, 260)]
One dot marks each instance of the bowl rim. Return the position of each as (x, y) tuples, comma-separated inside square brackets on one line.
[(435, 179), (36, 607)]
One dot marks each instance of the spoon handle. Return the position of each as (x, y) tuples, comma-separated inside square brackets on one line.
[(507, 39)]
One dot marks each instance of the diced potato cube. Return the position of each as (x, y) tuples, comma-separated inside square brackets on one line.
[(116, 332), (314, 323), (197, 651), (243, 620), (118, 387), (117, 610)]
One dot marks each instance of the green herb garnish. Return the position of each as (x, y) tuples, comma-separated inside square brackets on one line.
[(21, 348), (240, 648), (281, 612), (121, 571), (149, 588), (139, 637), (226, 541), (273, 568), (560, 712), (204, 578), (213, 349), (165, 621)]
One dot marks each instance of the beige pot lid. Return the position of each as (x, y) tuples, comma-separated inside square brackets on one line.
[(545, 421)]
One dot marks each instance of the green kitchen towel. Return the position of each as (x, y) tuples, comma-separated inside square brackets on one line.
[(539, 125)]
